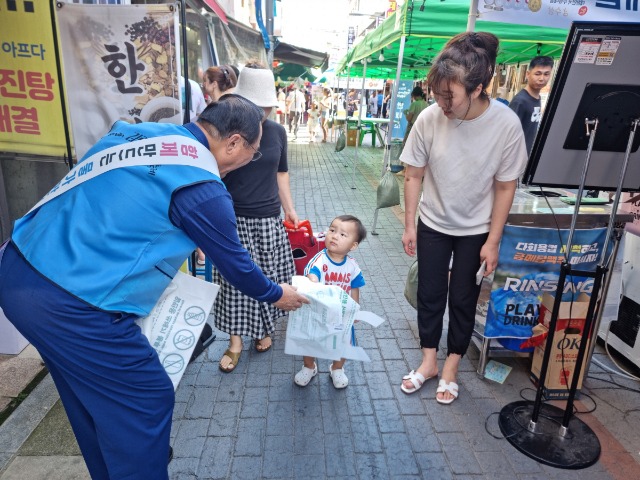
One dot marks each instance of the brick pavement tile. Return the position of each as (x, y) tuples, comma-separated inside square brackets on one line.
[(208, 375), (493, 462), (189, 440), (311, 393), (250, 439), (388, 416), (443, 417), (309, 466), (409, 404), (184, 468), (281, 387), (231, 386), (281, 363), (248, 468), (434, 465), (309, 436), (254, 404), (371, 465), (257, 379), (178, 410), (366, 438), (215, 461), (592, 473), (400, 457), (421, 434), (460, 457), (480, 440), (340, 458), (278, 462), (520, 462), (358, 400), (356, 374), (389, 347), (379, 385), (376, 364), (280, 418), (335, 416), (224, 419), (200, 404)]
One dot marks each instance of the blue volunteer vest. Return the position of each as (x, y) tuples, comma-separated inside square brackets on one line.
[(109, 241)]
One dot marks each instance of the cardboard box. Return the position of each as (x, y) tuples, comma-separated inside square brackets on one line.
[(564, 351), (352, 135), (571, 314)]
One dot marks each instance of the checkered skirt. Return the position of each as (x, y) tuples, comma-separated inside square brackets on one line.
[(268, 243)]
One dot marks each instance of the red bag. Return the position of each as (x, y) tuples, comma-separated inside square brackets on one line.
[(304, 244)]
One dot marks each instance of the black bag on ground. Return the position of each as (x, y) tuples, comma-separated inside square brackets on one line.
[(388, 194), (206, 338), (341, 142)]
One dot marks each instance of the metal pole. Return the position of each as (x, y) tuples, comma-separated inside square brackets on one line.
[(63, 105), (392, 111), (592, 136), (355, 157), (269, 6), (187, 85), (390, 125), (473, 14)]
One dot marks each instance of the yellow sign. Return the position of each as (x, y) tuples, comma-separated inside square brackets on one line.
[(30, 108)]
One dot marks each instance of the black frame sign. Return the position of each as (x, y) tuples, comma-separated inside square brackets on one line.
[(598, 78)]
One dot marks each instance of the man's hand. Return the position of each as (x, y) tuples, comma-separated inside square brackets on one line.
[(290, 299)]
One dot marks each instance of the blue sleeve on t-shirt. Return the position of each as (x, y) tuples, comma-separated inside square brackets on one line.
[(315, 271), (205, 212), (358, 281)]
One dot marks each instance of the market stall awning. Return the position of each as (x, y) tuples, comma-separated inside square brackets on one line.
[(217, 9), (427, 31), (288, 53)]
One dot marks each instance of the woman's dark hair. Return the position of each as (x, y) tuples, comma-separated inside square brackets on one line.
[(232, 114), (361, 231), (224, 75), (468, 59), (253, 63), (418, 93)]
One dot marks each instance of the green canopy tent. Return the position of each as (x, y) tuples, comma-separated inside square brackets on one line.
[(427, 31), (404, 45)]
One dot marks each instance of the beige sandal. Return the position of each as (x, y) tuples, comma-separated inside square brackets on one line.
[(235, 358), (260, 348)]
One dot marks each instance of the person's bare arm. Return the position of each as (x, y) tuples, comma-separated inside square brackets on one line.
[(412, 191), (503, 199), (284, 192)]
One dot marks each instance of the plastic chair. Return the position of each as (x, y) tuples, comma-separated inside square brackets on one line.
[(206, 271)]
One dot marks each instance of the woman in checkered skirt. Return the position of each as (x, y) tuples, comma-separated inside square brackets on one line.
[(259, 190)]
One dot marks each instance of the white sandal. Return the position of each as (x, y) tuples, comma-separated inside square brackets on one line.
[(304, 376), (339, 378), (416, 379), (451, 387)]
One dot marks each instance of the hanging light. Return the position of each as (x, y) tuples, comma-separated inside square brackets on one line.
[(381, 57), (422, 6)]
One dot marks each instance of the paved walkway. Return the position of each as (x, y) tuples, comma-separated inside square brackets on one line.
[(255, 423)]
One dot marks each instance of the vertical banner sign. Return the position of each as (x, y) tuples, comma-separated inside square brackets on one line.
[(351, 36), (558, 13), (121, 63), (30, 109), (528, 266), (403, 101)]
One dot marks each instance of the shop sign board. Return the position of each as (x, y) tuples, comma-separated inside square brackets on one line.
[(403, 100)]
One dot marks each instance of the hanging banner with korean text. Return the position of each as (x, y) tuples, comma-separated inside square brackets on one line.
[(528, 266), (558, 13), (30, 107), (120, 63), (403, 100)]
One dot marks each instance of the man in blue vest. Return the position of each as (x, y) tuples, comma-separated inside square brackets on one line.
[(83, 265)]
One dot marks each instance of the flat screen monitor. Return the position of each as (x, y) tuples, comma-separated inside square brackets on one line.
[(598, 77)]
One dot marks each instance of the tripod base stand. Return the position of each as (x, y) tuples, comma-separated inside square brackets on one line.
[(579, 448)]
